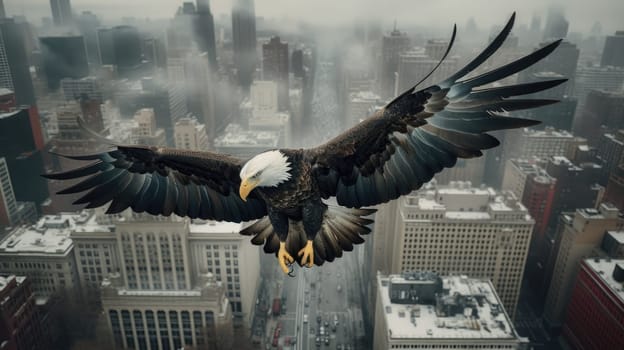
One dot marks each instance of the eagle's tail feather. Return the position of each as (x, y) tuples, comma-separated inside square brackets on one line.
[(341, 229)]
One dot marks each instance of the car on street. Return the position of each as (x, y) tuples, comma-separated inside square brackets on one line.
[(305, 318), (318, 341), (327, 340), (326, 324), (318, 319), (339, 288)]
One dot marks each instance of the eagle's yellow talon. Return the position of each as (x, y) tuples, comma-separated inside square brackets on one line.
[(282, 255), (308, 254)]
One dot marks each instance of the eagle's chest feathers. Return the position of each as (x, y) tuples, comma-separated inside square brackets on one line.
[(292, 193)]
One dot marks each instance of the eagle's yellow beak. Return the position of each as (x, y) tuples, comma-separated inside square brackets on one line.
[(246, 186)]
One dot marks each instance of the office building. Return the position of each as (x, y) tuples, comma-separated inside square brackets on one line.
[(610, 151), (579, 233), (613, 53), (264, 98), (359, 106), (556, 26), (416, 64), (189, 134), (460, 229), (244, 41), (18, 145), (14, 63), (146, 131), (159, 253), (89, 87), (562, 61), (392, 46), (201, 86), (601, 114), (422, 310), (590, 78), (63, 57), (61, 12), (275, 67), (12, 212), (88, 23), (245, 143), (595, 315), (44, 253), (164, 319), (20, 321), (205, 32), (614, 192), (530, 143)]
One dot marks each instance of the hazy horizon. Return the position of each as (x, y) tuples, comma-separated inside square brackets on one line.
[(439, 14)]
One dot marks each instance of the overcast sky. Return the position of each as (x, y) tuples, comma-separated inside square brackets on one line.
[(581, 13)]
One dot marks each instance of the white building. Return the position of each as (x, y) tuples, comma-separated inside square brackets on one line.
[(146, 132), (517, 171), (148, 319), (188, 133), (263, 98), (245, 143), (460, 229), (421, 310), (168, 253), (44, 253), (359, 106)]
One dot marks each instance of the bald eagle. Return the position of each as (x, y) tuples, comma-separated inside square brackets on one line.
[(389, 154)]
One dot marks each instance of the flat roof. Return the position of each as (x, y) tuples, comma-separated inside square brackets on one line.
[(492, 322), (604, 268)]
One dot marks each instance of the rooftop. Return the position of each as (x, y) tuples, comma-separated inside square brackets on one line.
[(464, 308), (617, 235), (236, 136), (605, 268), (209, 227), (5, 280), (50, 235), (549, 132)]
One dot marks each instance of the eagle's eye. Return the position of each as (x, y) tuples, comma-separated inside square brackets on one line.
[(256, 175)]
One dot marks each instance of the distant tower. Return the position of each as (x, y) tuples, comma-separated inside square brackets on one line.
[(14, 63), (556, 25), (63, 57), (205, 33), (2, 12), (613, 53), (61, 12), (392, 47), (244, 40), (275, 68)]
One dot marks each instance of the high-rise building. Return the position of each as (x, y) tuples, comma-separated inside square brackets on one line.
[(530, 143), (61, 12), (416, 64), (263, 95), (610, 151), (422, 310), (200, 93), (578, 235), (20, 321), (205, 33), (44, 253), (165, 319), (595, 315), (459, 229), (12, 212), (18, 145), (14, 63), (188, 133), (158, 253), (2, 11), (614, 192), (275, 68), (88, 87), (359, 106), (601, 114), (590, 78), (613, 53), (392, 46), (244, 40), (88, 24), (562, 61), (556, 26), (127, 49), (146, 131), (63, 57), (246, 143)]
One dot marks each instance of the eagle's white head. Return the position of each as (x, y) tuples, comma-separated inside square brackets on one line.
[(267, 169)]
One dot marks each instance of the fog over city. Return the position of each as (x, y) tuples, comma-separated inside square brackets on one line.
[(250, 174)]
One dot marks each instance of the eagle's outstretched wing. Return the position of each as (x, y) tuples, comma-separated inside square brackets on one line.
[(421, 132), (163, 181)]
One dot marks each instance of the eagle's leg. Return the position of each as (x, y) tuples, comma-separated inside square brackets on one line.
[(280, 225), (312, 219)]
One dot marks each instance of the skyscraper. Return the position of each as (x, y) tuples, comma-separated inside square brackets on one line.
[(275, 68), (189, 134), (578, 235), (392, 46), (613, 53), (20, 321), (16, 65), (205, 33), (127, 49), (596, 306), (61, 12), (601, 114), (63, 57), (244, 41), (556, 26), (460, 229)]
